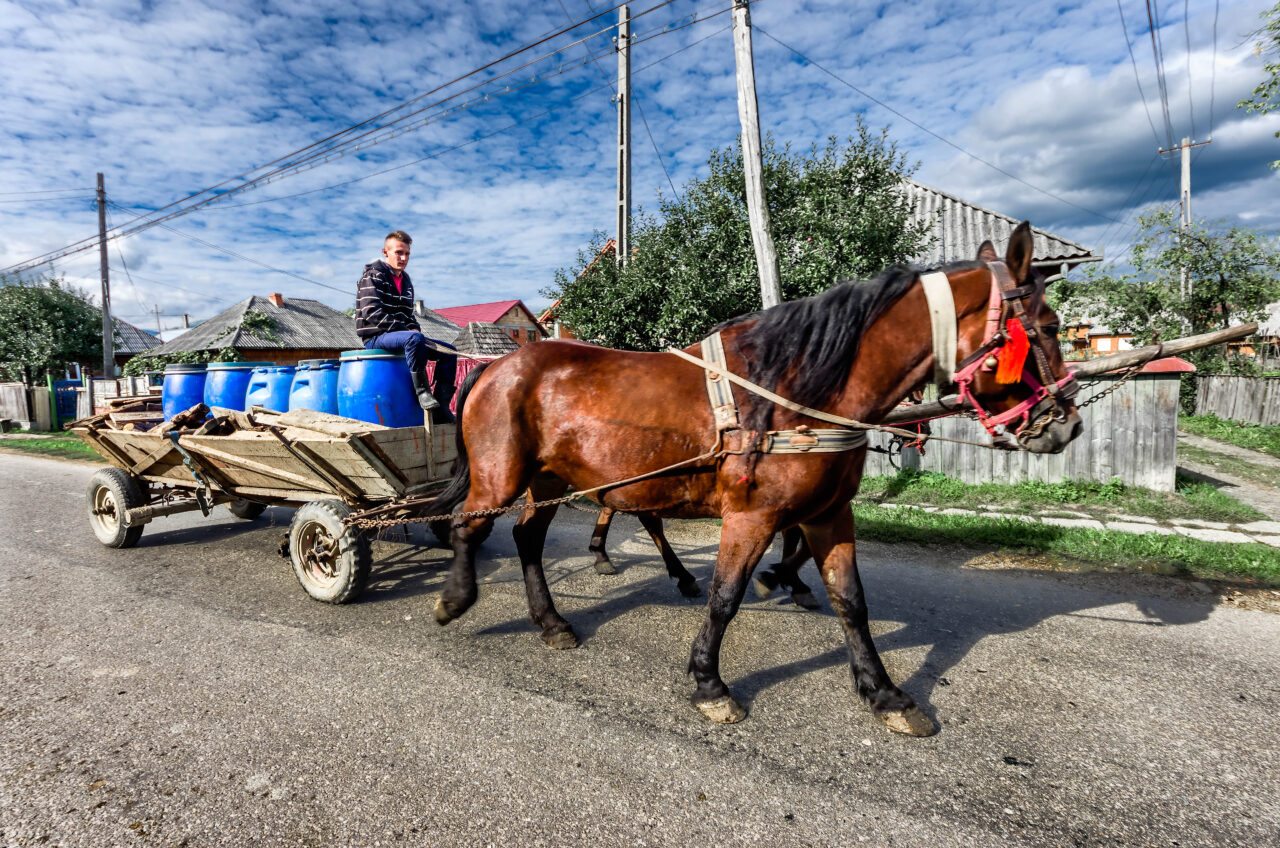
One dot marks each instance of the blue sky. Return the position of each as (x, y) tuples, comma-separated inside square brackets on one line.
[(168, 97)]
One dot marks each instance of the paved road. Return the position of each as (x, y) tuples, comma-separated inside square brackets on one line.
[(187, 693), (1265, 499)]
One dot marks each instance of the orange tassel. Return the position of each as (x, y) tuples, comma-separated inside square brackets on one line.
[(1014, 353)]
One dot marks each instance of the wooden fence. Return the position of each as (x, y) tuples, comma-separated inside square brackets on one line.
[(1250, 400), (1131, 434)]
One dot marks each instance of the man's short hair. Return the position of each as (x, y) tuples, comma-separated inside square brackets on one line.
[(398, 235)]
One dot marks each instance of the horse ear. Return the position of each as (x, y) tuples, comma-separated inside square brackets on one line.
[(1018, 255), (987, 252)]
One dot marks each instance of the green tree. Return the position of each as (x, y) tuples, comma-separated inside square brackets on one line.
[(1232, 273), (836, 211), (1266, 95), (44, 325)]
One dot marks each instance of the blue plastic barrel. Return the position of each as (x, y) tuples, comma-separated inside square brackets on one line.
[(315, 386), (183, 388), (374, 386), (269, 387), (228, 383)]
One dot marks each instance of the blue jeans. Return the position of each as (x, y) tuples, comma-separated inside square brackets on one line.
[(415, 348)]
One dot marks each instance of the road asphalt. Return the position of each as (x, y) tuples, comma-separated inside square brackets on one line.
[(187, 693)]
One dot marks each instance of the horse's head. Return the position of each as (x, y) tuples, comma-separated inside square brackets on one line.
[(1012, 372)]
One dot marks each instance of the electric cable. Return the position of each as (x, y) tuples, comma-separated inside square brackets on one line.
[(1161, 81), (1186, 29), (1124, 27), (925, 129)]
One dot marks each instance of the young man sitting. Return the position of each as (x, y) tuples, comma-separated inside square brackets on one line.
[(385, 319)]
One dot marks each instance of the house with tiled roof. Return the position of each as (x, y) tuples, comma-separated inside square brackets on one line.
[(127, 341), (484, 341), (272, 329), (511, 316)]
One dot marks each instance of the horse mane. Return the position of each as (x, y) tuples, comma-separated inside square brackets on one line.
[(815, 339)]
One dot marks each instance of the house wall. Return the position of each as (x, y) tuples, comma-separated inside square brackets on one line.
[(520, 326)]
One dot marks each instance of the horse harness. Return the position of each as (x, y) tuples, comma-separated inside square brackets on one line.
[(1008, 338)]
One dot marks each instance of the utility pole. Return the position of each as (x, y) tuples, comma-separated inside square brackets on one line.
[(159, 329), (623, 41), (1184, 200), (108, 340), (752, 161)]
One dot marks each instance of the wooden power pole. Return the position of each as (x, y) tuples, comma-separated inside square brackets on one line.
[(108, 341), (1184, 201), (624, 137), (752, 161)]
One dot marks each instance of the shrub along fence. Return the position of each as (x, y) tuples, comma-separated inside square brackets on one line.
[(1250, 400), (1130, 434)]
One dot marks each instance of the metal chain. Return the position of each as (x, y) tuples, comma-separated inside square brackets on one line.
[(1128, 375)]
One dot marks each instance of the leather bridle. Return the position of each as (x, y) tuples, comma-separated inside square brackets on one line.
[(1044, 405)]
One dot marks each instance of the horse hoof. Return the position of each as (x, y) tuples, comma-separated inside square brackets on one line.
[(808, 600), (605, 567), (723, 710), (443, 616), (689, 588), (911, 722), (561, 640), (763, 589)]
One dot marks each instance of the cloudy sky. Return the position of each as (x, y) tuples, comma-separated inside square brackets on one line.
[(1034, 109)]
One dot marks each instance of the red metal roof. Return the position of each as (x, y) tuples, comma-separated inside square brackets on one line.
[(487, 313)]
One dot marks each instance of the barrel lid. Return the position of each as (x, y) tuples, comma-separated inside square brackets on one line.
[(371, 353), (239, 366), (272, 368), (317, 363), (184, 368)]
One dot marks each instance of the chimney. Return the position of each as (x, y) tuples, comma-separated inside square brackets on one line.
[(419, 308), (186, 321), (276, 299)]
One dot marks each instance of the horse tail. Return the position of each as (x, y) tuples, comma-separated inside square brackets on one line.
[(460, 486)]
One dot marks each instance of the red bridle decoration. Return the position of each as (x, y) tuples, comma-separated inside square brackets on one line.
[(1008, 340)]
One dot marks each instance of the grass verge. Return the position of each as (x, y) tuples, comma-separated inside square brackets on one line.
[(1233, 465), (1260, 437), (1190, 499), (60, 445), (1255, 563)]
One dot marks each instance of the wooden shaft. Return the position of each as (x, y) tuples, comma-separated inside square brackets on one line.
[(1089, 368)]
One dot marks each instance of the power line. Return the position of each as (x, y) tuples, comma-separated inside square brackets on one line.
[(1161, 81), (48, 199), (475, 140), (925, 129), (1124, 27), (1186, 28), (70, 248), (44, 191), (1213, 69)]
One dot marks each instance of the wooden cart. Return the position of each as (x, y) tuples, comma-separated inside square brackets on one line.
[(326, 465)]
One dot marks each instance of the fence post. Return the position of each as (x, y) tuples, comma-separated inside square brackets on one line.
[(54, 422)]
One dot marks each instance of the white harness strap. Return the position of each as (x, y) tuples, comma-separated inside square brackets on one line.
[(718, 389), (942, 315)]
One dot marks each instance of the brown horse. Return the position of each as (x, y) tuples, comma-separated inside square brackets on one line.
[(559, 414)]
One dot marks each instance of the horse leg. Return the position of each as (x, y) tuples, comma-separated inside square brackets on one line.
[(530, 535), (685, 582), (598, 538), (460, 589), (743, 540), (795, 552), (833, 549)]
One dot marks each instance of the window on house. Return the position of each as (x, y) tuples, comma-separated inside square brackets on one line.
[(533, 335), (1104, 345)]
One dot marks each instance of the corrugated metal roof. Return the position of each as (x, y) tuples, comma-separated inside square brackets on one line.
[(484, 340), (301, 324), (959, 228), (436, 326), (129, 339)]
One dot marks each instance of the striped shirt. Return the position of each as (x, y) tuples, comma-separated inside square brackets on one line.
[(380, 308)]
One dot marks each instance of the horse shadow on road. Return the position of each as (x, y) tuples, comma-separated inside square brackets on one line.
[(943, 609)]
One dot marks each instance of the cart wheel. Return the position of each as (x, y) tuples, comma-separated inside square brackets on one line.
[(248, 510), (112, 491), (330, 560)]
